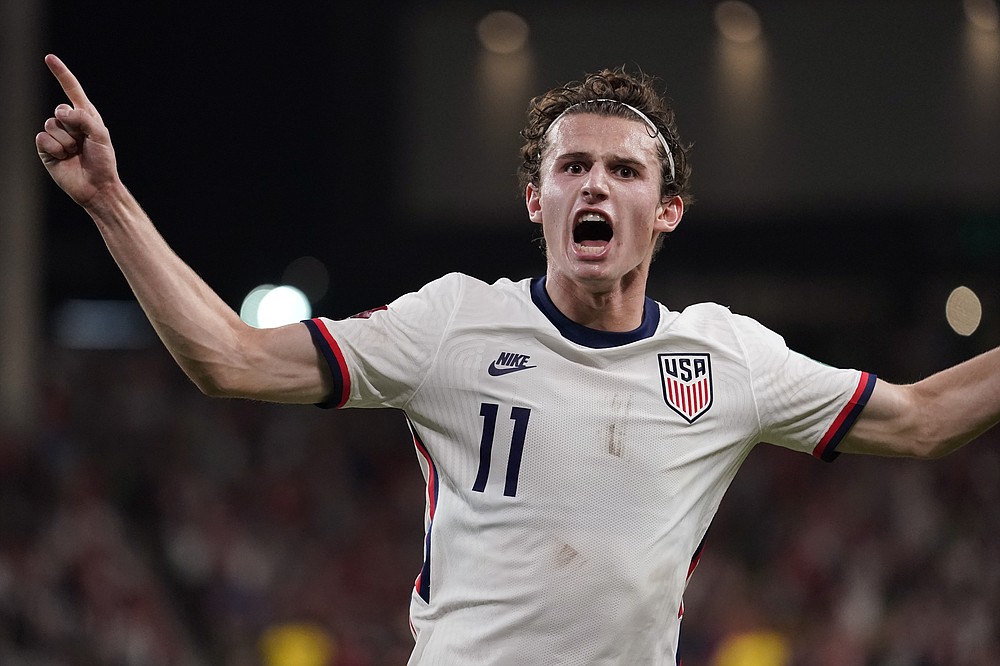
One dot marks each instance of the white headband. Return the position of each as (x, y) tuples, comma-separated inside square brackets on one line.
[(657, 134)]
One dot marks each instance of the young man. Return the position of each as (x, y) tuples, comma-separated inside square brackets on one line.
[(576, 436)]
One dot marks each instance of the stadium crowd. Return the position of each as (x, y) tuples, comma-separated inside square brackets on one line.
[(144, 524)]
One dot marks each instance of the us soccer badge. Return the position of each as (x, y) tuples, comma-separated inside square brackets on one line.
[(687, 384)]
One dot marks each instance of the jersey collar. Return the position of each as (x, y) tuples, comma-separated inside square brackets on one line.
[(590, 337)]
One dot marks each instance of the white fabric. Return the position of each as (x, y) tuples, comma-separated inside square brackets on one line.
[(587, 562)]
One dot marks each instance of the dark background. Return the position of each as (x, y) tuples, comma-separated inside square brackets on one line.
[(841, 196), (257, 134)]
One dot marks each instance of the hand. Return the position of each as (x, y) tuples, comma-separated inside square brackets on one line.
[(76, 146)]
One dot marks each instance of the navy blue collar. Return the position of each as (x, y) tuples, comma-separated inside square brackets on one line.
[(591, 337)]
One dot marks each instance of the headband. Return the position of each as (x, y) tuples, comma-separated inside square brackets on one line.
[(657, 134)]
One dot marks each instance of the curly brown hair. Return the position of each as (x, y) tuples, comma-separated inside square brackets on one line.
[(636, 90)]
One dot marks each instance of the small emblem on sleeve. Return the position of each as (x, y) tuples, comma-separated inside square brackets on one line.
[(368, 313), (687, 384)]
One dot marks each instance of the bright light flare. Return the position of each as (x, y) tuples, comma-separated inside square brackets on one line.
[(269, 306), (963, 311), (738, 21), (982, 14), (503, 32)]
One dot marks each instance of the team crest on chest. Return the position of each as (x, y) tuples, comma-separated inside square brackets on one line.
[(687, 383)]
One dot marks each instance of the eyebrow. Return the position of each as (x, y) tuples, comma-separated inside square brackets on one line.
[(583, 155), (657, 134)]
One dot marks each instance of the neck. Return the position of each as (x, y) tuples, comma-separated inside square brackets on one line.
[(616, 307)]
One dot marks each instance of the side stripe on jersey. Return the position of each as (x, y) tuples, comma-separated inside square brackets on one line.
[(423, 582), (827, 447), (323, 339), (695, 559)]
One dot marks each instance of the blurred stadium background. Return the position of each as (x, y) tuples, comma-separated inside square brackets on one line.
[(847, 169)]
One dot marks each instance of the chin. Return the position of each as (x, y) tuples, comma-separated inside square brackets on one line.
[(595, 274)]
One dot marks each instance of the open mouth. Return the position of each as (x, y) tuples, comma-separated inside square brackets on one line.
[(592, 230)]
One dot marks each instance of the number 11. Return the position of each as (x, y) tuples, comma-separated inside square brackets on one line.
[(519, 415)]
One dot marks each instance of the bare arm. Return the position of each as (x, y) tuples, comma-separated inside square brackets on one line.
[(216, 349), (932, 417)]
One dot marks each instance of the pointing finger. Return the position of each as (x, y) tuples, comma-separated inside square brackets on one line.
[(70, 85)]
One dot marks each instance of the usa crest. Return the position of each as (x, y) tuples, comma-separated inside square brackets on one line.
[(687, 384)]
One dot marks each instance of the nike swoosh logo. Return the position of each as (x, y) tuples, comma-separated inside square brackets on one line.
[(497, 372)]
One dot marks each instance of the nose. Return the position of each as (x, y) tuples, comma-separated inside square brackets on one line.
[(595, 187)]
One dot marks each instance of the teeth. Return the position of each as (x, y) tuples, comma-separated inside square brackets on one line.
[(593, 217)]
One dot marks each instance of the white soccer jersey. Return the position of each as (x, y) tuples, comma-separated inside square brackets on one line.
[(571, 473)]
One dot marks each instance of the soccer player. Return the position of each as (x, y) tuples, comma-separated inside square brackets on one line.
[(575, 435)]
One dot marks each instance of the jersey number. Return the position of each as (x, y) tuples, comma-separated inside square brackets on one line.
[(519, 415)]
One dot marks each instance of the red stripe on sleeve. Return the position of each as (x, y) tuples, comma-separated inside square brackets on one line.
[(345, 390), (846, 416)]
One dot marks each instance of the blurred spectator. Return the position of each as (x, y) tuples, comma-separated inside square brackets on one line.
[(146, 524)]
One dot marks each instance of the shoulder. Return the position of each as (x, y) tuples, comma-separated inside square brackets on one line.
[(457, 291), (460, 282), (447, 288), (717, 326), (713, 316), (475, 291)]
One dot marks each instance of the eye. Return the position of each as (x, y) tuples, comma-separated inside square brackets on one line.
[(575, 168), (626, 172)]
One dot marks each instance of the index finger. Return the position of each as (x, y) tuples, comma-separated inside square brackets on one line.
[(70, 85)]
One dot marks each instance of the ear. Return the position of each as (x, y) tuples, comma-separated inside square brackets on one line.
[(669, 214), (532, 200)]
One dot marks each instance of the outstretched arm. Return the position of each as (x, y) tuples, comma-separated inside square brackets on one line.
[(220, 353), (932, 417)]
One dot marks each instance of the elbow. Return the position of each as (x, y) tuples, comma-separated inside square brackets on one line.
[(217, 383), (912, 422), (218, 370), (209, 386), (214, 379), (930, 450), (927, 436), (929, 443)]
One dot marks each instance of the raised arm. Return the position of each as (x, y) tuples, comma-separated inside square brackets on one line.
[(216, 349), (932, 417)]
